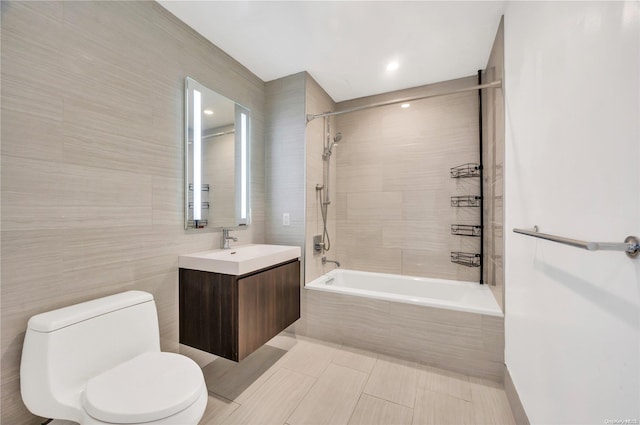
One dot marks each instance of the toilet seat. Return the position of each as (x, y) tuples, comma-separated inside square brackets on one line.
[(147, 388)]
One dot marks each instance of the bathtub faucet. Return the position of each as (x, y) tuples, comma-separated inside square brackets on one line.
[(325, 261)]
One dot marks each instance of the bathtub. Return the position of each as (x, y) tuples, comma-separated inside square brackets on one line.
[(447, 324), (469, 297)]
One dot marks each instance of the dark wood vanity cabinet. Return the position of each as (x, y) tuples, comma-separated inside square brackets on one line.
[(232, 316)]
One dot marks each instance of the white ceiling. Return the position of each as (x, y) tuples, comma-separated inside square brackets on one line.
[(346, 45)]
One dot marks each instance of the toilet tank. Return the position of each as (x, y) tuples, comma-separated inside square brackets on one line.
[(64, 348)]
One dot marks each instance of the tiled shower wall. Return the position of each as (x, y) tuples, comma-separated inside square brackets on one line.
[(92, 162), (318, 101), (493, 175), (393, 188), (292, 145)]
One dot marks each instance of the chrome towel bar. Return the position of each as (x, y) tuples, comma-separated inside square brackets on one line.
[(631, 244)]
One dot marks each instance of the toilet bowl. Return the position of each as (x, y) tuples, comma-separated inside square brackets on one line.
[(99, 362)]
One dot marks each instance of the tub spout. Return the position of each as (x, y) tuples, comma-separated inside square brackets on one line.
[(325, 261)]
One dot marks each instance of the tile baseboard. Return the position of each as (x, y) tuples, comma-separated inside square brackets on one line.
[(514, 400)]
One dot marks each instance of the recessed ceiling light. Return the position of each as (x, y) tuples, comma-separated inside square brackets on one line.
[(392, 66), (208, 112), (405, 105)]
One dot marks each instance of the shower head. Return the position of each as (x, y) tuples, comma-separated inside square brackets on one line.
[(336, 139), (329, 150)]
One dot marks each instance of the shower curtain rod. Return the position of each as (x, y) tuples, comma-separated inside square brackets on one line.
[(497, 83)]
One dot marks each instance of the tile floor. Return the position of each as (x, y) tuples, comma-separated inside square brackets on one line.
[(294, 380)]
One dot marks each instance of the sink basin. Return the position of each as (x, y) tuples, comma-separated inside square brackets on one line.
[(239, 260)]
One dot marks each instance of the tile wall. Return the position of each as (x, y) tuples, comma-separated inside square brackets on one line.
[(393, 187), (285, 152), (318, 101), (92, 162)]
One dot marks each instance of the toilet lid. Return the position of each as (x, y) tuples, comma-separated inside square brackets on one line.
[(146, 388)]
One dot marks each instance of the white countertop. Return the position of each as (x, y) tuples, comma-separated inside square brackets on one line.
[(240, 259)]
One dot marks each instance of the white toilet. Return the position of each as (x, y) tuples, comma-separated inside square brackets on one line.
[(99, 362)]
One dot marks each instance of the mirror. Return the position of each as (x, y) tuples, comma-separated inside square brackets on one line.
[(216, 160)]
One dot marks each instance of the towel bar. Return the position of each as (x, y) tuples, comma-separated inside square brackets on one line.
[(631, 244)]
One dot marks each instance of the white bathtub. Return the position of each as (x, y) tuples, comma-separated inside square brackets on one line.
[(470, 297), (447, 324)]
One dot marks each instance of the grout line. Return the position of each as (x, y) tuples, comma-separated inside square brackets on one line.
[(413, 413), (221, 398), (301, 373), (415, 395), (389, 401), (369, 375), (446, 395), (355, 406), (301, 398), (353, 368)]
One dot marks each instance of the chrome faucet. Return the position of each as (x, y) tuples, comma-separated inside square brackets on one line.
[(325, 261), (226, 238)]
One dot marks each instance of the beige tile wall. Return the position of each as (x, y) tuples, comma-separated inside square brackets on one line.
[(318, 101), (285, 152), (92, 163), (493, 178), (393, 184), (464, 342)]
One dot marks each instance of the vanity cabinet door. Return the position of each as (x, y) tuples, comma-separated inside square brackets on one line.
[(268, 302), (208, 319), (288, 295)]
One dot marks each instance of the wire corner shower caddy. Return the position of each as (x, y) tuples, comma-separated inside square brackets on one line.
[(474, 230), (468, 259), (470, 169)]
